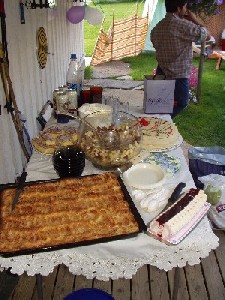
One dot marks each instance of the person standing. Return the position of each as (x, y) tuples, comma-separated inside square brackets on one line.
[(172, 39)]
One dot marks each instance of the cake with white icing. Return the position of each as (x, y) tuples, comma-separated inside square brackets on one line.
[(173, 224), (158, 133)]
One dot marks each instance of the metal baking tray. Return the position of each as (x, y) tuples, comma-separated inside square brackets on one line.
[(133, 209)]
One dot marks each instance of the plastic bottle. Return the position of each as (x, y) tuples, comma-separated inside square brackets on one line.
[(79, 78), (72, 73), (82, 68)]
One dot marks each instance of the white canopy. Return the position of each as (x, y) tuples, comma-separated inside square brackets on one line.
[(156, 11)]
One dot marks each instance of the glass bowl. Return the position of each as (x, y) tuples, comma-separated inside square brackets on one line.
[(112, 141), (69, 161)]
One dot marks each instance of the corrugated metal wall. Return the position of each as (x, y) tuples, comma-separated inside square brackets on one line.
[(33, 86)]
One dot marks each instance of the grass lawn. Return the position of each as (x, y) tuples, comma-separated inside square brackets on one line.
[(201, 124)]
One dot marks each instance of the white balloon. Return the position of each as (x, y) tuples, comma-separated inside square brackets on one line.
[(93, 15)]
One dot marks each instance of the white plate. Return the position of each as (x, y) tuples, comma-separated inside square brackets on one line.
[(144, 176)]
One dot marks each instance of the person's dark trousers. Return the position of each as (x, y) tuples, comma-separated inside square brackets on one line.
[(181, 93)]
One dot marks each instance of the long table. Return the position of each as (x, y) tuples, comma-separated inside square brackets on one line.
[(122, 258)]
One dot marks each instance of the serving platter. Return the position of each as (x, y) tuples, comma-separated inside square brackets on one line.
[(169, 163), (59, 219)]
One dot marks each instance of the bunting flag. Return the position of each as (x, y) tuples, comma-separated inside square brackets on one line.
[(125, 38)]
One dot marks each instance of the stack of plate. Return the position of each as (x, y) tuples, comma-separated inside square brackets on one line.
[(69, 161)]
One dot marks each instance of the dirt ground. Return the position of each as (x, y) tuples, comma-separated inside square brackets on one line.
[(112, 69)]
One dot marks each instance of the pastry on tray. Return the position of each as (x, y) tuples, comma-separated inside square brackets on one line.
[(66, 212)]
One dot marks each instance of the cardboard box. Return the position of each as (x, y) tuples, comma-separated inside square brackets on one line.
[(158, 95)]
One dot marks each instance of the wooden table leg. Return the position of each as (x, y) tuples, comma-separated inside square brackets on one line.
[(176, 283), (39, 286), (219, 63), (218, 57)]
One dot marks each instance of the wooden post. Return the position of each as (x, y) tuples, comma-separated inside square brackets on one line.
[(112, 37), (200, 71), (10, 100)]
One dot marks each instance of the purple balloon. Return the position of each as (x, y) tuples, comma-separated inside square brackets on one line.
[(75, 14), (219, 2)]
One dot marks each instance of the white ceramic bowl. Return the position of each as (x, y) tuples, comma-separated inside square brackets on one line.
[(96, 114), (144, 176), (91, 108)]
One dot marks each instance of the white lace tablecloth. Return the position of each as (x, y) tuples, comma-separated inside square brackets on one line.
[(120, 258)]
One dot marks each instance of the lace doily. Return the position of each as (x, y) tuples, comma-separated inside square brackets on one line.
[(109, 260)]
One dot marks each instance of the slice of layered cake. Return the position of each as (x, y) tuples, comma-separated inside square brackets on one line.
[(173, 224)]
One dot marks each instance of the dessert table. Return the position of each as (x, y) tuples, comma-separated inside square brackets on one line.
[(122, 258)]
